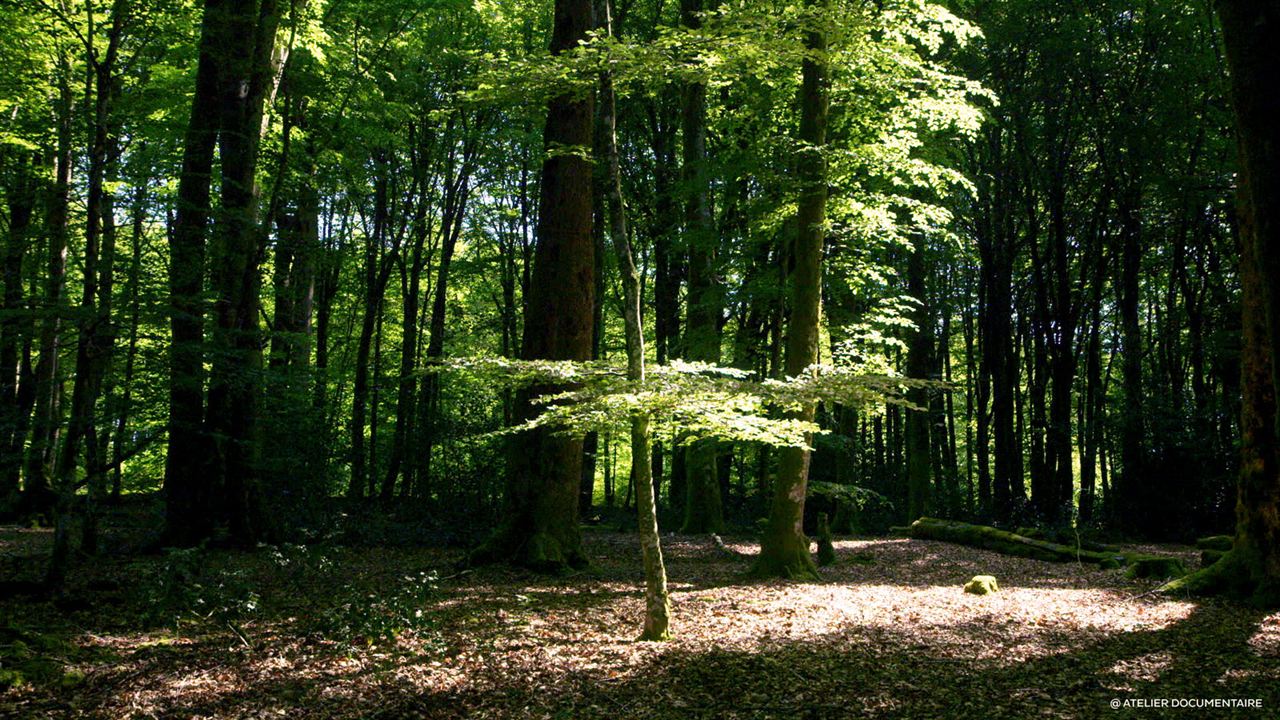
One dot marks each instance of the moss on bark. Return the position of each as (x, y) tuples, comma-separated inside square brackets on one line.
[(1007, 543), (1220, 543), (541, 550), (1238, 575), (1209, 557), (1155, 567)]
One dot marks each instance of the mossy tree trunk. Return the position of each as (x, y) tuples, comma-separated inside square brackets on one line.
[(657, 602), (540, 524), (784, 549), (1251, 33), (1008, 543), (703, 511)]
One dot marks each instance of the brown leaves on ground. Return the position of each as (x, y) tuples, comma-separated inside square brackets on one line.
[(889, 635)]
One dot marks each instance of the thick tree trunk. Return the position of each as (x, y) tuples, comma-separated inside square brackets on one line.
[(231, 417), (540, 523), (1251, 30), (703, 512), (21, 197), (784, 548), (187, 487)]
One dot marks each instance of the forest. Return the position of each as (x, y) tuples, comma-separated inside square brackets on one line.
[(639, 358)]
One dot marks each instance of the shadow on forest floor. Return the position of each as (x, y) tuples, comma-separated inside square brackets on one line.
[(887, 633)]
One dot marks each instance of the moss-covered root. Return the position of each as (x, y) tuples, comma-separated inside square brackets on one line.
[(826, 544), (541, 552), (1209, 557), (1155, 567), (1218, 578), (1235, 576)]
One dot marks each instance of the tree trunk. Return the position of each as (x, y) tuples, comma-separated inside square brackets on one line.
[(410, 300), (187, 489), (134, 285), (1131, 511), (703, 512), (378, 263), (1251, 31), (540, 523), (657, 604), (38, 479), (920, 499), (21, 197), (429, 401), (784, 549), (95, 335), (231, 417)]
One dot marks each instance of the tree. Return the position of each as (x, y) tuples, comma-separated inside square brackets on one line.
[(702, 507), (1251, 34), (540, 516), (784, 548), (234, 76), (657, 603), (187, 490)]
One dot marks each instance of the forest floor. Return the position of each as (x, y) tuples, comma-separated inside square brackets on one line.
[(337, 632)]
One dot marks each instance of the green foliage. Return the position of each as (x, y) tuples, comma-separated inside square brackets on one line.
[(31, 657), (185, 589), (377, 617), (688, 401), (355, 616)]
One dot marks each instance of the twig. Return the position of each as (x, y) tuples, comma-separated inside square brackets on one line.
[(232, 626)]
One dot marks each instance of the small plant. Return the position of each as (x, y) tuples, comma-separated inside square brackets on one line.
[(182, 590), (369, 618)]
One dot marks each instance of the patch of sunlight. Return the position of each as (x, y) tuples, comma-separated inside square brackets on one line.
[(1143, 668), (1266, 641)]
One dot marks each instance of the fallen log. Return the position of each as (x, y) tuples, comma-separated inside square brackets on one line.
[(1007, 543), (1217, 543)]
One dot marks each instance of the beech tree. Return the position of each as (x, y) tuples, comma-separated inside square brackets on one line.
[(540, 516), (784, 547), (1250, 30), (247, 244)]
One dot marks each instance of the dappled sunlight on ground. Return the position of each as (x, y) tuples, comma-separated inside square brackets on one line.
[(887, 632), (20, 542)]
